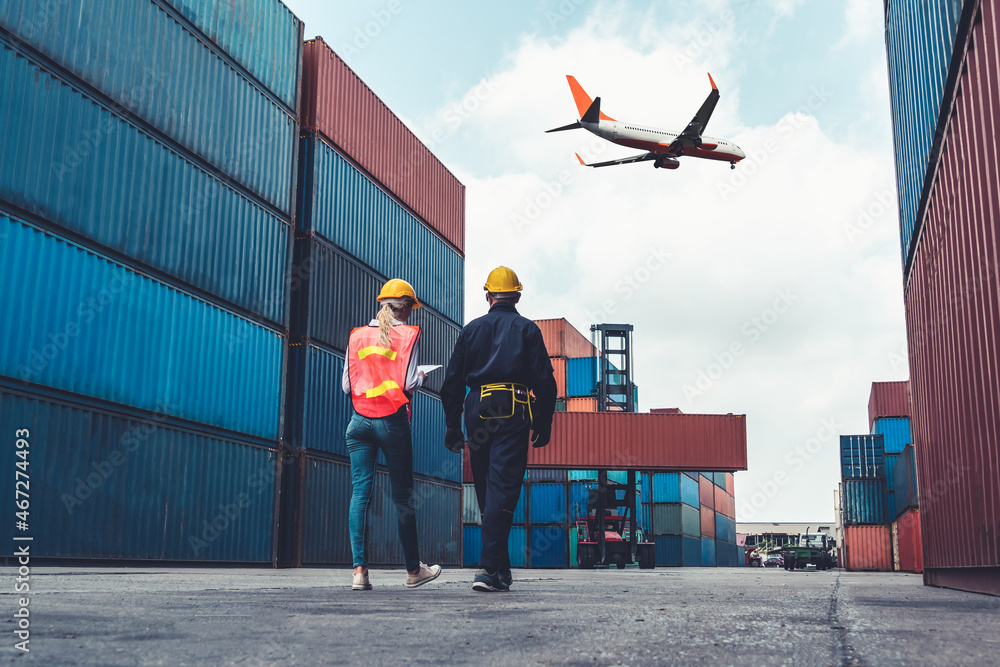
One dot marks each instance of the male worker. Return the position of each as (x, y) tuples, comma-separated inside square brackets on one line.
[(502, 359)]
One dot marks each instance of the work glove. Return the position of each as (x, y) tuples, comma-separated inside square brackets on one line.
[(454, 440), (541, 436)]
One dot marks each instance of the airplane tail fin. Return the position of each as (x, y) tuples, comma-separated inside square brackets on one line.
[(582, 99)]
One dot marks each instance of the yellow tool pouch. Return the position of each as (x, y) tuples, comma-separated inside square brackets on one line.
[(500, 400)]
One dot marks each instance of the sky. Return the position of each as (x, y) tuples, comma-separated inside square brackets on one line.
[(773, 290)]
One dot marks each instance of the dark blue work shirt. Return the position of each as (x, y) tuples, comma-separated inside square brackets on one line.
[(500, 346)]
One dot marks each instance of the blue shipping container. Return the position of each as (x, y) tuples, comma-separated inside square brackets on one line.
[(472, 545), (354, 213), (920, 38), (895, 432), (579, 499), (862, 456), (719, 478), (326, 501), (905, 482), (722, 529), (547, 503), (890, 465), (519, 511), (708, 552), (154, 67), (546, 475), (332, 293), (677, 551), (549, 547), (81, 323), (517, 547), (726, 554), (864, 501), (581, 376), (114, 483), (674, 488), (582, 475), (263, 36), (73, 163)]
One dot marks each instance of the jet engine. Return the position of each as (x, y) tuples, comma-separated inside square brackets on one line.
[(666, 163)]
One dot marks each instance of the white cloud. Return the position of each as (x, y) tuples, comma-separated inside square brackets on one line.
[(864, 19), (802, 219)]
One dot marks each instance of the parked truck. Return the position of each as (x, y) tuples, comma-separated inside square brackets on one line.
[(812, 549)]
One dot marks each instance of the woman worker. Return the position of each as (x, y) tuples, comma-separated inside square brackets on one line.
[(380, 376)]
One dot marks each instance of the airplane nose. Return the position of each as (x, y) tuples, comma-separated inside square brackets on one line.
[(739, 151)]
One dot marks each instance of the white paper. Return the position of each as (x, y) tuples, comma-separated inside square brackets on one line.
[(427, 369)]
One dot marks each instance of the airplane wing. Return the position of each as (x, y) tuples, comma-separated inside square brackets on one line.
[(691, 136), (625, 160)]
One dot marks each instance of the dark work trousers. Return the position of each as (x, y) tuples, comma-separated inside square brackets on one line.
[(498, 452)]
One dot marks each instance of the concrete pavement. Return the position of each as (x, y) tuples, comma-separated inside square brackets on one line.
[(163, 616)]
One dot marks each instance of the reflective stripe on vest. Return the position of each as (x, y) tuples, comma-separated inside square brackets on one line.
[(378, 374)]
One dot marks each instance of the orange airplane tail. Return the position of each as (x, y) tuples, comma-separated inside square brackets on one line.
[(581, 98)]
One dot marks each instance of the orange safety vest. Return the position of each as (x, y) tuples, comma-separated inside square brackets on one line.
[(378, 374)]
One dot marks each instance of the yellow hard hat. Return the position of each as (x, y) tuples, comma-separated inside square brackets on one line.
[(397, 289), (502, 279)]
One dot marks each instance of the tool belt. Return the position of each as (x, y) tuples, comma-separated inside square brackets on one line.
[(499, 400)]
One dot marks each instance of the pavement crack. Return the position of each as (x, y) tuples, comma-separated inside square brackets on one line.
[(843, 654)]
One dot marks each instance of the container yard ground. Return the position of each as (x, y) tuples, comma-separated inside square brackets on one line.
[(137, 616)]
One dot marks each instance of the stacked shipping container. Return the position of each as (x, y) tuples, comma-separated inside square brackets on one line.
[(360, 222), (691, 517), (951, 290), (146, 204), (863, 503)]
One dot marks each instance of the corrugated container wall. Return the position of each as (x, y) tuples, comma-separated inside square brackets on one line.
[(908, 542), (895, 433), (172, 214), (176, 82), (115, 483), (344, 205), (905, 493), (920, 37), (952, 302), (563, 340), (868, 548), (888, 399), (864, 501), (263, 36), (336, 103), (559, 372), (109, 332), (644, 442)]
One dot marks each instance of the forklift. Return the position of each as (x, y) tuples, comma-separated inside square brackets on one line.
[(810, 549), (605, 537)]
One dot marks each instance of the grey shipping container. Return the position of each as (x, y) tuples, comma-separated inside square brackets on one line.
[(326, 502), (72, 163), (153, 67), (109, 482), (674, 519), (905, 493)]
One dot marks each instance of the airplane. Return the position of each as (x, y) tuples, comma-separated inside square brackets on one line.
[(662, 147)]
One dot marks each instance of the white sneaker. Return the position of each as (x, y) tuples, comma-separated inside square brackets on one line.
[(426, 573), (361, 582)]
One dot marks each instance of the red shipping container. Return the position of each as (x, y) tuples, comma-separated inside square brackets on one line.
[(952, 299), (581, 404), (643, 441), (910, 549), (888, 399), (666, 411), (867, 548), (338, 104), (725, 504), (707, 522), (563, 340), (706, 492), (730, 484), (559, 370)]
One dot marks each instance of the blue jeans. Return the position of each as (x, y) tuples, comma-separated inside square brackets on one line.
[(365, 436)]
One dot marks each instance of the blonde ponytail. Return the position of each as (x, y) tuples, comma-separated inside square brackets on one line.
[(385, 317)]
